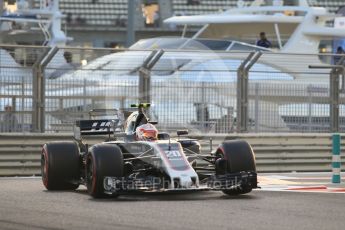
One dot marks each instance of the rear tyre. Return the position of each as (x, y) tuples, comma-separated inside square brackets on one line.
[(60, 165), (103, 160), (239, 157)]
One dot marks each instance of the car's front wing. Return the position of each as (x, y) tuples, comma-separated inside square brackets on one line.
[(230, 181)]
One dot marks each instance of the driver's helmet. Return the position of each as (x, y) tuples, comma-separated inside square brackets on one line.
[(146, 132)]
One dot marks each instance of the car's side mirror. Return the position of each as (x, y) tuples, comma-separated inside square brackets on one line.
[(182, 132)]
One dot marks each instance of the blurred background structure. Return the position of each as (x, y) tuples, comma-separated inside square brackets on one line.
[(104, 23)]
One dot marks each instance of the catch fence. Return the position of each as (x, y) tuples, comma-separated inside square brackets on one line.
[(48, 89)]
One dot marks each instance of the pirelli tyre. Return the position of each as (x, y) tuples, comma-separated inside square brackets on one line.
[(60, 165), (239, 157), (102, 160)]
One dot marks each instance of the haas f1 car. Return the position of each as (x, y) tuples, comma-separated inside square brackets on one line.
[(139, 159)]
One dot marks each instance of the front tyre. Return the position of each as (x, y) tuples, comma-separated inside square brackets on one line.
[(239, 157), (103, 160), (60, 165)]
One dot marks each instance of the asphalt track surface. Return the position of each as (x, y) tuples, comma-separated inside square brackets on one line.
[(25, 204)]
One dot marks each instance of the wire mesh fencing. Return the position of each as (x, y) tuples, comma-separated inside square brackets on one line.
[(195, 90), (16, 92)]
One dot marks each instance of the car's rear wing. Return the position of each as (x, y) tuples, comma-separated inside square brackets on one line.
[(96, 127)]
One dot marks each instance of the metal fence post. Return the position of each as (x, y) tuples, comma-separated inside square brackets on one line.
[(36, 93), (334, 85), (145, 75), (336, 161), (38, 90), (242, 91), (241, 118), (22, 102), (204, 117), (144, 85), (334, 101), (257, 107), (310, 108), (85, 96)]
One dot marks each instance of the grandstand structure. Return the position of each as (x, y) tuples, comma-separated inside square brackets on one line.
[(107, 12), (109, 17), (331, 5), (97, 12)]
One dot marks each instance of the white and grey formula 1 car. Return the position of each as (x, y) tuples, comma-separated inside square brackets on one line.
[(161, 164)]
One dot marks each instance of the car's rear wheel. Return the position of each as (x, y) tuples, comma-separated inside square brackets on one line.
[(60, 165), (238, 156), (103, 160)]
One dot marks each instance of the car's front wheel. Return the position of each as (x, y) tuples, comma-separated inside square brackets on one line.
[(103, 160), (238, 156)]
